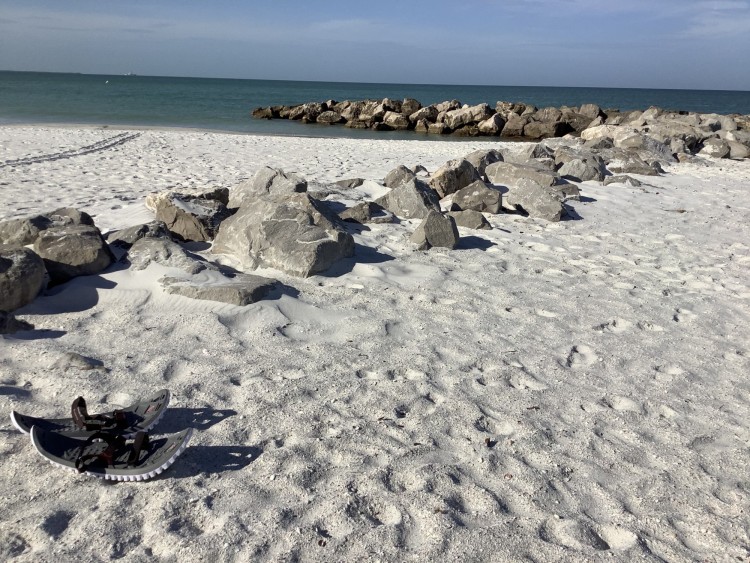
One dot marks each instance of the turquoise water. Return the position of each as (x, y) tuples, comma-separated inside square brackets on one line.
[(223, 104)]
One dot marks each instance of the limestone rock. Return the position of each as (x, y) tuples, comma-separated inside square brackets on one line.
[(166, 252), (493, 125), (24, 231), (329, 118), (482, 158), (452, 176), (367, 212), (592, 111), (242, 289), (544, 202), (428, 113), (716, 148), (412, 199), (266, 181), (738, 151), (191, 217), (510, 173), (544, 129), (514, 126), (437, 128), (292, 233), (396, 121), (477, 196), (398, 176), (583, 170), (72, 250), (464, 116), (22, 277), (410, 106), (125, 238), (436, 230), (470, 219)]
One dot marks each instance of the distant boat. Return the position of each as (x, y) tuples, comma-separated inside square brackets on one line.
[(130, 74)]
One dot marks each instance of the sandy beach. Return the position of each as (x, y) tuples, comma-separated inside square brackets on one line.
[(566, 391)]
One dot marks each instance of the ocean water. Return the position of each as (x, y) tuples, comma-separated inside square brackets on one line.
[(225, 104)]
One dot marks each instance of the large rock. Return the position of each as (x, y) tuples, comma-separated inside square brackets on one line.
[(242, 289), (267, 181), (482, 158), (22, 276), (24, 231), (738, 151), (436, 230), (493, 125), (292, 233), (452, 176), (329, 118), (72, 250), (166, 252), (410, 106), (398, 176), (583, 170), (428, 114), (411, 199), (543, 202), (514, 125), (511, 173), (125, 238), (470, 220), (716, 148), (191, 217), (592, 111), (396, 121), (627, 180), (467, 115), (545, 129), (477, 196)]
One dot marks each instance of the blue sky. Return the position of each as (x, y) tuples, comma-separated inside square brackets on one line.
[(694, 44)]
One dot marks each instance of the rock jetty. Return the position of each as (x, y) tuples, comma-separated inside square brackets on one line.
[(721, 136)]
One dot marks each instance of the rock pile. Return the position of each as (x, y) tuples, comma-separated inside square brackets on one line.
[(720, 136)]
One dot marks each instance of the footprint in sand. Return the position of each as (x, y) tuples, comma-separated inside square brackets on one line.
[(615, 326), (580, 356), (620, 403), (619, 539), (683, 315), (572, 534), (649, 326)]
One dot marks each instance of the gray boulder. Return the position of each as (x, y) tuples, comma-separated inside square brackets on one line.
[(367, 212), (514, 125), (9, 324), (511, 173), (191, 217), (428, 113), (467, 115), (482, 158), (436, 230), (583, 170), (477, 196), (493, 125), (125, 238), (166, 252), (24, 231), (396, 121), (437, 128), (411, 199), (410, 106), (70, 251), (715, 148), (592, 111), (329, 118), (544, 129), (22, 277), (738, 151), (452, 176), (398, 176), (267, 181), (242, 289), (293, 233), (544, 202), (470, 220), (620, 161)]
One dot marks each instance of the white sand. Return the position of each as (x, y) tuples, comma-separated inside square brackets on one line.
[(604, 359)]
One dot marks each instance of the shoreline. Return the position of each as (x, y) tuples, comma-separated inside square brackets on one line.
[(549, 391)]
